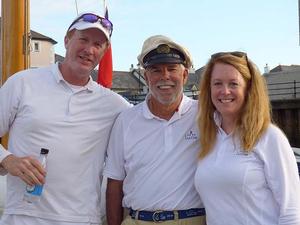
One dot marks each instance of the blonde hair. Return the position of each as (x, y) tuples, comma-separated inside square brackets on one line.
[(255, 116)]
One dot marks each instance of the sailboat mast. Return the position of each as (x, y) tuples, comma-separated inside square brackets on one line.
[(15, 39)]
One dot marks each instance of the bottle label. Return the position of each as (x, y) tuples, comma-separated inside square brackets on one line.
[(34, 190)]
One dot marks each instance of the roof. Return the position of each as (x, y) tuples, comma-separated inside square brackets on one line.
[(194, 79), (37, 36), (58, 58), (284, 68), (283, 82), (283, 73), (125, 80)]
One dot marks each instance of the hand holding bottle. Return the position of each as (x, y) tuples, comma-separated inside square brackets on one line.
[(28, 168), (34, 192)]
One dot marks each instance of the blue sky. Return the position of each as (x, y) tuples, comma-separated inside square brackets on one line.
[(267, 30)]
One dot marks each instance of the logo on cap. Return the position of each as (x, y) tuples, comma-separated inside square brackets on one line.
[(163, 49)]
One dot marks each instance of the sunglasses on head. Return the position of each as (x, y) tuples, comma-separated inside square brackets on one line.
[(235, 53), (92, 18)]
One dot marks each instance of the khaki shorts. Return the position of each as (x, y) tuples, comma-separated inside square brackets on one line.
[(197, 220)]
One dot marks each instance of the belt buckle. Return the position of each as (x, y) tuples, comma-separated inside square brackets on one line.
[(133, 214), (156, 217)]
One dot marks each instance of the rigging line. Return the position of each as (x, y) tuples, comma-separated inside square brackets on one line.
[(299, 19), (76, 7)]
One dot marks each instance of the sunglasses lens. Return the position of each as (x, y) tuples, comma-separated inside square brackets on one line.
[(90, 18), (217, 55), (237, 54), (106, 23)]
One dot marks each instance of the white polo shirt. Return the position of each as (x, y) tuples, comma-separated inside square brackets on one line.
[(155, 158), (40, 110), (261, 187)]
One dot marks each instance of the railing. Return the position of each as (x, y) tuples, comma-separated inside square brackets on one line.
[(284, 90)]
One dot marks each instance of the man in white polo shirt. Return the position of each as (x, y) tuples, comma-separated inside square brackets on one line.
[(153, 148), (62, 109)]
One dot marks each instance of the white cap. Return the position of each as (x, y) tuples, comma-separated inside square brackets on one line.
[(155, 42), (80, 24)]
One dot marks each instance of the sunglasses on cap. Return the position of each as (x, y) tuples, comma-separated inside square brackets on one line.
[(235, 53), (92, 18)]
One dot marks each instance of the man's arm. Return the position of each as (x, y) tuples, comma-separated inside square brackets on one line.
[(114, 196)]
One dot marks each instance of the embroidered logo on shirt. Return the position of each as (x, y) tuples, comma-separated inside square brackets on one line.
[(242, 152), (190, 135)]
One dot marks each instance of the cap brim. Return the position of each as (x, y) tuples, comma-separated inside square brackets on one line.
[(163, 60), (81, 25)]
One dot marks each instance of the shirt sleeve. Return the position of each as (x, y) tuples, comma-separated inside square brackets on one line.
[(281, 172), (114, 164), (10, 94)]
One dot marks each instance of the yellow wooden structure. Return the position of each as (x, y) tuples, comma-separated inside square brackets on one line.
[(15, 37)]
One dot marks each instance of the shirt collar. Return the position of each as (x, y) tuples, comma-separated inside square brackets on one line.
[(218, 122), (90, 86), (184, 106), (217, 119)]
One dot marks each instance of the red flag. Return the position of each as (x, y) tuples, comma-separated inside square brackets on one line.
[(105, 70)]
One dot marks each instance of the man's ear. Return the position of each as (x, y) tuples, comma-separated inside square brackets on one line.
[(185, 75), (146, 77), (66, 41)]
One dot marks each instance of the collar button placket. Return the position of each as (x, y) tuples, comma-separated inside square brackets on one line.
[(168, 136), (70, 104)]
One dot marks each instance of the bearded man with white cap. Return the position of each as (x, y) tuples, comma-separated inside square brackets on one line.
[(153, 148), (62, 109)]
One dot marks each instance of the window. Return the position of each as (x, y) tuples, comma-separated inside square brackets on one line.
[(36, 46)]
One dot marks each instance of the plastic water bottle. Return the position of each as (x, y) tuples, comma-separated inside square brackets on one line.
[(34, 192)]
